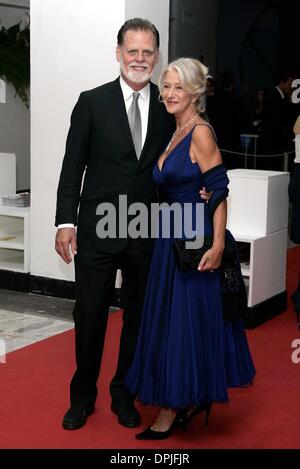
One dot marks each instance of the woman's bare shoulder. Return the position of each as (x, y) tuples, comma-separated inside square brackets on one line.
[(203, 135), (204, 149)]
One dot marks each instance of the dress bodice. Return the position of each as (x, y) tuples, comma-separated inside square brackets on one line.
[(179, 179)]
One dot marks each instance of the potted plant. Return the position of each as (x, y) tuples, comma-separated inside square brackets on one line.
[(15, 59)]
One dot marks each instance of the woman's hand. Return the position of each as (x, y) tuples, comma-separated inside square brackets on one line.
[(205, 195), (212, 259)]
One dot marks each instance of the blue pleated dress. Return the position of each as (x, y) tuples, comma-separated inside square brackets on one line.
[(186, 353)]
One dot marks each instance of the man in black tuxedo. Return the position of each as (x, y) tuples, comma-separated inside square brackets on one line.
[(100, 146), (276, 126)]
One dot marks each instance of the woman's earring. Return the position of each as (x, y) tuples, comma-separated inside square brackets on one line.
[(160, 100)]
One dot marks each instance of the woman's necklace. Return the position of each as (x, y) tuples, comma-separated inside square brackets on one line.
[(178, 131)]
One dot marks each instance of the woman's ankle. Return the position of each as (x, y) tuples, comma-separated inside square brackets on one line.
[(164, 420)]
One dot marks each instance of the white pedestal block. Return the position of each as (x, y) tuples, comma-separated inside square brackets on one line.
[(258, 202), (258, 216)]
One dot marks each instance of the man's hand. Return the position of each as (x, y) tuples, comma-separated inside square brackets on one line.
[(64, 238), (205, 195)]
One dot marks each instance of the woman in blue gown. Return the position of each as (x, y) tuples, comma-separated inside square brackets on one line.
[(187, 355)]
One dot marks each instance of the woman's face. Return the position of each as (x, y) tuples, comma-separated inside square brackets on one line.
[(176, 99)]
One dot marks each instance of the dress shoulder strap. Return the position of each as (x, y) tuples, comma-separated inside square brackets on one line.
[(211, 128)]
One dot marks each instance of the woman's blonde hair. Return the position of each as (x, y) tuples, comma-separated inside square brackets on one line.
[(192, 75)]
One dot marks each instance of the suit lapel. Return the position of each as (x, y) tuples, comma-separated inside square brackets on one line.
[(120, 109)]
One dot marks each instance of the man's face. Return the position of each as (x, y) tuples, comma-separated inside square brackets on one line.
[(137, 56), (286, 86)]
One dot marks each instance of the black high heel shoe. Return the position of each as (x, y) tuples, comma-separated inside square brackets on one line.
[(181, 418), (202, 408), (149, 434)]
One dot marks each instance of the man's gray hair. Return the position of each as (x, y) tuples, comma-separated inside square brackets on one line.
[(137, 24)]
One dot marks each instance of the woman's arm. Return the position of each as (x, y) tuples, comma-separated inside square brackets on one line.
[(205, 151)]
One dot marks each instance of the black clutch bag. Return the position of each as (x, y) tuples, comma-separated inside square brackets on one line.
[(234, 295), (188, 259)]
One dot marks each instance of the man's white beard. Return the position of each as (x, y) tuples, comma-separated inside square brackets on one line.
[(133, 75)]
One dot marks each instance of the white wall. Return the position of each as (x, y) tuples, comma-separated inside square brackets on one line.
[(14, 116)]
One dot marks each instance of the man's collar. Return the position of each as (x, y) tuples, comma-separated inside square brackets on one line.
[(280, 92), (127, 91)]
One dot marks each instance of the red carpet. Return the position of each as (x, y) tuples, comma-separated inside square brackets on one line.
[(35, 382)]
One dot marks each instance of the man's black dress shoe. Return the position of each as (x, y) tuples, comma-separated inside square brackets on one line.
[(76, 416), (127, 414)]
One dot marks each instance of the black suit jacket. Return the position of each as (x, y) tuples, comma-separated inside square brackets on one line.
[(99, 144), (274, 127)]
